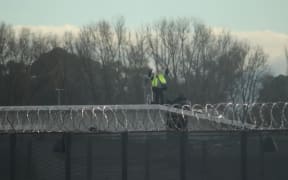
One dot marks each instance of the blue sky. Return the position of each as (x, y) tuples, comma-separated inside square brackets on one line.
[(234, 14), (263, 22)]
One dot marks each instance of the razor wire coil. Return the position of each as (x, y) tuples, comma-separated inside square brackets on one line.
[(114, 118)]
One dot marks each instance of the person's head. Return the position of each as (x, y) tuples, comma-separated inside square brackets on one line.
[(150, 71), (166, 71)]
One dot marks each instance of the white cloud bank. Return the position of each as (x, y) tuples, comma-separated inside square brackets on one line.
[(57, 30), (273, 43)]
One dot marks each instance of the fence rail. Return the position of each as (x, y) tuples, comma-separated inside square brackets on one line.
[(215, 155)]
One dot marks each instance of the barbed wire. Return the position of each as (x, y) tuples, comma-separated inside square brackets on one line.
[(147, 117)]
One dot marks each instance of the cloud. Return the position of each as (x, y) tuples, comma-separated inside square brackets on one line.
[(273, 44), (57, 30)]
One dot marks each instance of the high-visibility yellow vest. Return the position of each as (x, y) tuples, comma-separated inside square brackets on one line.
[(155, 81), (159, 77), (162, 78)]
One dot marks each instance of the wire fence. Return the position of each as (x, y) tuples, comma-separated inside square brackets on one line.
[(221, 141), (207, 155)]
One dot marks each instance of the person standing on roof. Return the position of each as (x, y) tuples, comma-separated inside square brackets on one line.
[(159, 85), (148, 95)]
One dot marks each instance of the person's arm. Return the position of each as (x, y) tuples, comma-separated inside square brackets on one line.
[(166, 72), (151, 76)]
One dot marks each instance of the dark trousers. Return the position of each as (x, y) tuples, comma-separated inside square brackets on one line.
[(158, 95)]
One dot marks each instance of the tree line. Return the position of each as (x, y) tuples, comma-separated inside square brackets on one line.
[(105, 63)]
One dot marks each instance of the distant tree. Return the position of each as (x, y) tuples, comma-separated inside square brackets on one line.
[(39, 45), (120, 32), (252, 68), (60, 69), (69, 42), (18, 82), (274, 89), (7, 38), (137, 51), (286, 56), (207, 67)]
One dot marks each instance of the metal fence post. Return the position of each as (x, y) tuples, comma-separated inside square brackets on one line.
[(204, 157), (124, 142), (243, 143), (183, 141), (29, 159), (12, 155), (261, 157), (147, 158), (89, 158), (67, 141)]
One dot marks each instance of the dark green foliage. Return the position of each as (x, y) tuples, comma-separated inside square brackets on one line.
[(14, 83), (84, 81), (274, 89)]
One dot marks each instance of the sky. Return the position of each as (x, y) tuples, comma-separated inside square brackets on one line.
[(262, 22)]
